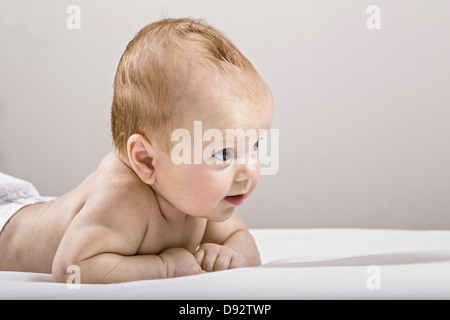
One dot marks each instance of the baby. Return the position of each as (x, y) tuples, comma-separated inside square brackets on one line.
[(142, 215)]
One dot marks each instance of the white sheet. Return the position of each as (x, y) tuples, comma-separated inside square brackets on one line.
[(297, 264)]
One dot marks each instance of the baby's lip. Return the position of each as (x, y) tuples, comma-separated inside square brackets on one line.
[(236, 199)]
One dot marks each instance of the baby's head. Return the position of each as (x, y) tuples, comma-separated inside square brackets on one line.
[(174, 73)]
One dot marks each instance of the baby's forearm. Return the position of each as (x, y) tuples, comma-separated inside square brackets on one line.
[(112, 268), (243, 242)]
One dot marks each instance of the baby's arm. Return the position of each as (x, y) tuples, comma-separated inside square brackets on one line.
[(227, 245), (103, 240)]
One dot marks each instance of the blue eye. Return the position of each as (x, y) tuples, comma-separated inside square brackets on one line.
[(255, 146), (224, 154)]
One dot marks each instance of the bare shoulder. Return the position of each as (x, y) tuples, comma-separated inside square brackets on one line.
[(118, 210), (118, 201)]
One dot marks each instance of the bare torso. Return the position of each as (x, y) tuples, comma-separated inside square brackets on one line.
[(31, 238)]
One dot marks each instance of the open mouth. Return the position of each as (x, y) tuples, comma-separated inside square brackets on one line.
[(236, 200)]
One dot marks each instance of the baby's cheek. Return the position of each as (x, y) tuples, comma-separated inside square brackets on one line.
[(207, 190)]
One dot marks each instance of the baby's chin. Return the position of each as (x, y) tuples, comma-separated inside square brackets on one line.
[(219, 212), (219, 215)]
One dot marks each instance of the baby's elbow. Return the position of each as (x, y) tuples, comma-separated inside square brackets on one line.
[(64, 272), (59, 273)]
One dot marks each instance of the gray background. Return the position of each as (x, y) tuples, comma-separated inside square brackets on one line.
[(363, 114)]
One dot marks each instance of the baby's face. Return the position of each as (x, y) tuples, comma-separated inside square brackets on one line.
[(221, 133)]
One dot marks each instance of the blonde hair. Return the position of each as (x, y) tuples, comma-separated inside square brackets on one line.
[(155, 68)]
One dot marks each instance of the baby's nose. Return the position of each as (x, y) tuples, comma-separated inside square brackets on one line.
[(246, 171)]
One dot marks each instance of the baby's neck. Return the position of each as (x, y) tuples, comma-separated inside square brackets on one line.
[(171, 215), (122, 158)]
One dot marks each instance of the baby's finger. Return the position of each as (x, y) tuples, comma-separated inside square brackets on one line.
[(199, 255), (237, 262), (208, 261), (222, 263)]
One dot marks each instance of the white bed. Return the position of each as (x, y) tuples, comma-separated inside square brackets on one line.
[(297, 264)]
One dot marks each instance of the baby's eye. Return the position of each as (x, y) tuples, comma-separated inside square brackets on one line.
[(224, 154), (255, 146)]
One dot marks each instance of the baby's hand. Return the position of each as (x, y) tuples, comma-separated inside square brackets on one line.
[(214, 257), (180, 262)]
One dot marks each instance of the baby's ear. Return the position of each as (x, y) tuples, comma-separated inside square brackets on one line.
[(141, 154)]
